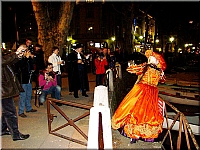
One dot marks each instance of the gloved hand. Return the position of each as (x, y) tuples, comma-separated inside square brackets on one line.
[(21, 50)]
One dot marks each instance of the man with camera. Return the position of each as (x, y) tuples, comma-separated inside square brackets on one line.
[(10, 88), (29, 45), (24, 73), (48, 83)]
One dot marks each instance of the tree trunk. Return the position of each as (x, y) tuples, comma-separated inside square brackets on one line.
[(53, 21)]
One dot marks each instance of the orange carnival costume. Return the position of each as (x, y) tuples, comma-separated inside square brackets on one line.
[(140, 114)]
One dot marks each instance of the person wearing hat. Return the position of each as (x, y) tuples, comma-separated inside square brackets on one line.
[(77, 71)]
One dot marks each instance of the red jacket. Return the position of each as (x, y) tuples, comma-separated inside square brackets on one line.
[(100, 66)]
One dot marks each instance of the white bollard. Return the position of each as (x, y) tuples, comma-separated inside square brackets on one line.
[(100, 105), (100, 96), (119, 71), (109, 73)]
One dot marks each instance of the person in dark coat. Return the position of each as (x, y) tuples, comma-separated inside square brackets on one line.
[(38, 62), (77, 72), (10, 88)]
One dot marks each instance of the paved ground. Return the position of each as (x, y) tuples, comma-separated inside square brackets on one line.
[(37, 126), (36, 123)]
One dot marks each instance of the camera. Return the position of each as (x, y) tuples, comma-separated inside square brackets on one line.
[(31, 49), (52, 74)]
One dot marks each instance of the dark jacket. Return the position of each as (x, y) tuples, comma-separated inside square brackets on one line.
[(10, 85), (25, 70), (39, 61), (72, 69), (73, 73)]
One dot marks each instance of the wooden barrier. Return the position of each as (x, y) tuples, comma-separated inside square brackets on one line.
[(70, 122)]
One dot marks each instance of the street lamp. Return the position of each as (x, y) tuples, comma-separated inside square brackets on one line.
[(140, 37), (113, 38), (157, 40), (171, 39)]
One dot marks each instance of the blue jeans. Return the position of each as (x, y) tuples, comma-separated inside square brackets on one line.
[(59, 80), (25, 98), (54, 91)]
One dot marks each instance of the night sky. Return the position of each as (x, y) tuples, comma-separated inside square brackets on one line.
[(168, 14), (22, 9), (172, 14)]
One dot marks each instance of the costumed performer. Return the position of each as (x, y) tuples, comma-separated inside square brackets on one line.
[(140, 114)]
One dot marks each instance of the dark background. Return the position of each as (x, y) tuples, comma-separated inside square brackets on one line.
[(171, 17)]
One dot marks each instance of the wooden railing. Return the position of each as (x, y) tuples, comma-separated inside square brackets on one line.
[(183, 124)]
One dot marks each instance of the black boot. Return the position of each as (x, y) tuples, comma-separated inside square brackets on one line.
[(20, 137), (9, 115), (76, 94), (4, 130), (84, 93)]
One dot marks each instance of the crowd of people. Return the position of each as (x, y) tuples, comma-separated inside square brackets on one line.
[(29, 66)]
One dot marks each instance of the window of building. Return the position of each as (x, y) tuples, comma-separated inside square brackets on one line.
[(90, 28), (90, 13)]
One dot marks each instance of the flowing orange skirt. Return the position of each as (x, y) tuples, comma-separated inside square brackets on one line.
[(139, 113)]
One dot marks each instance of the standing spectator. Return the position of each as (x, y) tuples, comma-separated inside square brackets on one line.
[(38, 62), (10, 88), (105, 53), (25, 72), (72, 70), (100, 64), (77, 72), (111, 60), (48, 83), (29, 45), (55, 59), (117, 54)]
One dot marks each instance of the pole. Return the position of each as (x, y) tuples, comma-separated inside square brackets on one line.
[(16, 30)]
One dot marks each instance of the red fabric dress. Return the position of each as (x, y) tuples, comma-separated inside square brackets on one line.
[(140, 113)]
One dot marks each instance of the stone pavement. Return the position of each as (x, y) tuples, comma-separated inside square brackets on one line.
[(36, 125)]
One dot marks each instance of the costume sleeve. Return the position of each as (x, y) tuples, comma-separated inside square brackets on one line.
[(137, 69)]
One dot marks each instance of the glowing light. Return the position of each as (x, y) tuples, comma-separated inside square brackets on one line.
[(171, 39), (191, 21), (157, 40), (90, 28), (113, 38)]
